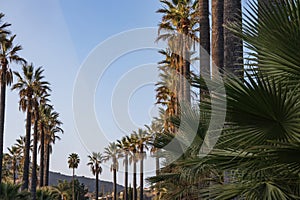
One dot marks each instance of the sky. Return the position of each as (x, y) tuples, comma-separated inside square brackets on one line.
[(61, 36)]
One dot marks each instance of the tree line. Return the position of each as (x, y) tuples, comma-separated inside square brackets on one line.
[(42, 124)]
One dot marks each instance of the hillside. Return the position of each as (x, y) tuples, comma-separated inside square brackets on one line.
[(104, 186)]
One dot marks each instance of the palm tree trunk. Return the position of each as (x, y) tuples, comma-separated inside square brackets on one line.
[(233, 45), (204, 42), (142, 173), (217, 36), (115, 183), (73, 184), (186, 75), (97, 183), (134, 180), (34, 159), (27, 151), (186, 63), (126, 177), (47, 164), (14, 172), (42, 156), (2, 117)]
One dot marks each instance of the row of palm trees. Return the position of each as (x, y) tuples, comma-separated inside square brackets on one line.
[(41, 118), (132, 149)]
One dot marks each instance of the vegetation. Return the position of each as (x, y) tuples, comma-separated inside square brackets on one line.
[(73, 161), (256, 154), (95, 164)]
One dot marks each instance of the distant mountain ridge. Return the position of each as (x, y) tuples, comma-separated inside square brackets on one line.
[(104, 186)]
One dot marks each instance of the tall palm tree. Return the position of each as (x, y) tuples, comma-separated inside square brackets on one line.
[(8, 54), (204, 40), (46, 111), (28, 85), (95, 164), (123, 144), (179, 21), (154, 130), (142, 138), (40, 98), (167, 88), (132, 147), (51, 129), (112, 152), (73, 161), (21, 148), (217, 52), (233, 45)]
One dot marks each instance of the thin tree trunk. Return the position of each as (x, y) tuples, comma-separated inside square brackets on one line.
[(186, 62), (134, 180), (34, 159), (73, 184), (97, 183), (186, 75), (157, 170), (15, 172), (27, 151), (115, 183), (204, 42), (233, 45), (42, 156), (126, 176), (47, 164), (142, 173), (217, 36), (2, 117)]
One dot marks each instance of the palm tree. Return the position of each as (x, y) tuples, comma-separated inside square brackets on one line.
[(167, 88), (46, 111), (73, 161), (217, 36), (155, 130), (15, 157), (95, 164), (233, 45), (12, 192), (204, 40), (40, 98), (112, 152), (28, 85), (21, 148), (142, 138), (50, 130), (179, 21), (132, 147), (124, 146), (8, 54), (62, 188)]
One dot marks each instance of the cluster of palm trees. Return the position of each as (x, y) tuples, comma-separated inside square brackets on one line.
[(132, 149), (42, 121), (256, 155)]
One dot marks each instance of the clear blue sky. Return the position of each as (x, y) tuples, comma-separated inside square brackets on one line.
[(59, 35)]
